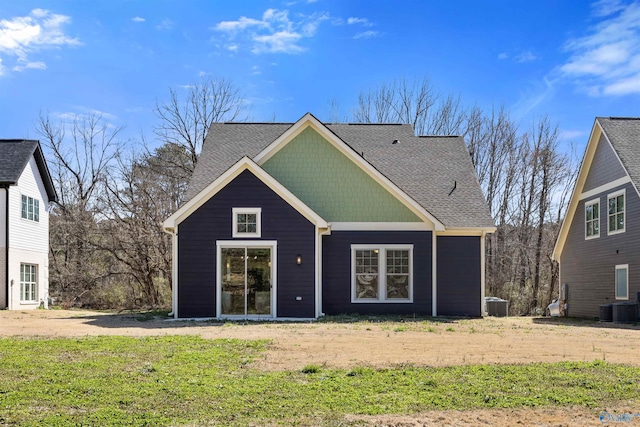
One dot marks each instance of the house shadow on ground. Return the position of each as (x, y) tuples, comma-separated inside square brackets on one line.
[(584, 323)]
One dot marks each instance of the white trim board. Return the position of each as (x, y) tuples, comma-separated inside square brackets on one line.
[(243, 164), (380, 226), (308, 120), (604, 188)]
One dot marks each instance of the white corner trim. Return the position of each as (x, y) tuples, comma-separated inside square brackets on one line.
[(308, 120), (243, 164), (606, 187)]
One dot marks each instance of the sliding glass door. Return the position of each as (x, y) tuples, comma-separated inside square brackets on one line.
[(245, 280)]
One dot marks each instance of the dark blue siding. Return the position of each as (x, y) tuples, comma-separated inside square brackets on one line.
[(459, 279), (197, 236), (336, 271)]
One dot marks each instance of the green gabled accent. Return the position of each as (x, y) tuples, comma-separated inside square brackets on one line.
[(331, 184)]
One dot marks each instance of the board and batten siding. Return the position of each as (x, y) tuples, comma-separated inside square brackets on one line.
[(336, 271), (28, 240), (459, 276), (605, 166), (588, 266), (198, 233)]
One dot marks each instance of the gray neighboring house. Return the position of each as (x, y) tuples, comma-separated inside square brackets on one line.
[(297, 220), (26, 192), (598, 246)]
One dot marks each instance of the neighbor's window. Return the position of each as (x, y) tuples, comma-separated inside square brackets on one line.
[(382, 273), (28, 282), (247, 222), (616, 212), (30, 208), (592, 215), (622, 281)]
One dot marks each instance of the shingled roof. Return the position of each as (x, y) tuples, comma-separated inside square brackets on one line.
[(435, 171), (14, 157), (624, 135)]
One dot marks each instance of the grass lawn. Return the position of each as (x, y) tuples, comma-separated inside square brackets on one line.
[(186, 380)]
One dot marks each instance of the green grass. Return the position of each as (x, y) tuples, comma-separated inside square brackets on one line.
[(184, 380)]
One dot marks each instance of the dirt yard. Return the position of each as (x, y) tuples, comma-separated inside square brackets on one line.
[(432, 343)]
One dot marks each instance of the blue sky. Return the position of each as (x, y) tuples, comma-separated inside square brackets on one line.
[(571, 60)]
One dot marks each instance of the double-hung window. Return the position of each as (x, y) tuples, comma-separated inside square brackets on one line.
[(247, 222), (30, 208), (28, 282), (381, 273), (592, 219), (616, 221)]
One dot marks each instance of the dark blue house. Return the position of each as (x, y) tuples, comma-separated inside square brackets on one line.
[(297, 220)]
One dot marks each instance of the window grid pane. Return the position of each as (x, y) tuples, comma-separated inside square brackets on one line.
[(616, 213), (247, 223), (367, 274), (592, 215), (397, 274), (28, 282)]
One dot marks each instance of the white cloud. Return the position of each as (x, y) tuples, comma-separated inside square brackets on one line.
[(571, 134), (274, 32), (23, 36), (361, 21), (165, 24), (525, 56), (503, 55), (607, 61), (367, 35), (138, 19), (37, 65), (255, 70)]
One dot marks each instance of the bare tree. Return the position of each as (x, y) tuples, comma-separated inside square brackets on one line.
[(185, 118), (82, 152)]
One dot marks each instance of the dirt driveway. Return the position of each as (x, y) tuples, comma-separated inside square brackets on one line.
[(420, 342)]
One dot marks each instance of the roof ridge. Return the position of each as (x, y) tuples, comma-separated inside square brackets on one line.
[(439, 136)]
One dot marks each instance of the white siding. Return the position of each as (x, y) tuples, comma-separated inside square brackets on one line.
[(28, 240), (3, 213), (3, 269), (23, 233)]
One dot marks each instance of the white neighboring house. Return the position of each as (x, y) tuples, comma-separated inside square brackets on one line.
[(26, 192)]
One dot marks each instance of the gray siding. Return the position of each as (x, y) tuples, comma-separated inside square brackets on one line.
[(605, 166), (197, 236), (588, 266), (336, 271), (459, 278)]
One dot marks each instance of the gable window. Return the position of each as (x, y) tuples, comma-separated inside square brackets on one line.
[(28, 282), (247, 222), (616, 212), (622, 281), (30, 208), (592, 219), (381, 273)]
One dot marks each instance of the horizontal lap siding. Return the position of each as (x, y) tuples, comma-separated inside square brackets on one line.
[(197, 236), (605, 166), (588, 266), (459, 276), (336, 271)]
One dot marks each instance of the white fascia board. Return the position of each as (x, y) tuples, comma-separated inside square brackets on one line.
[(308, 120), (596, 132), (243, 164), (467, 231), (585, 165)]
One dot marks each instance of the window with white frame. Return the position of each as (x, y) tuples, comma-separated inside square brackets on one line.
[(592, 219), (381, 273), (615, 202), (247, 222), (622, 281), (30, 208), (28, 282)]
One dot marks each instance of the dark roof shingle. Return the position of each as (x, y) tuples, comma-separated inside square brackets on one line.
[(14, 157), (425, 168), (624, 135)]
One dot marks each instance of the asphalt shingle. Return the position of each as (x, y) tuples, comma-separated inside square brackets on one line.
[(435, 171), (624, 135)]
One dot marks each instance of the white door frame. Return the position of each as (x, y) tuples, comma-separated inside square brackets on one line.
[(271, 244)]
